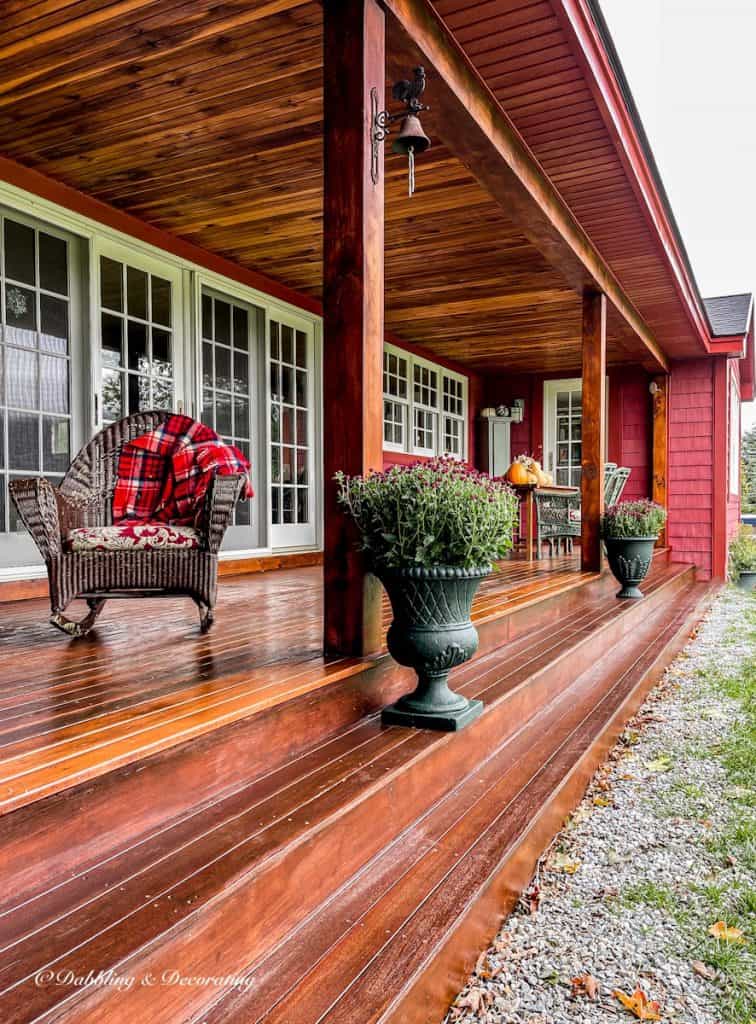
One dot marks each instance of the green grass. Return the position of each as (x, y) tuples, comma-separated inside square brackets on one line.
[(649, 894), (729, 895), (732, 898)]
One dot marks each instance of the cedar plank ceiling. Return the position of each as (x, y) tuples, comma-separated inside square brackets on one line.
[(204, 118)]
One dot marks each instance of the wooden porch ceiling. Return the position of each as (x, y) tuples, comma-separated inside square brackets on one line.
[(205, 119)]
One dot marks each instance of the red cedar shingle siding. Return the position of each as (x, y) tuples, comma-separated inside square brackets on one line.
[(635, 434), (690, 464)]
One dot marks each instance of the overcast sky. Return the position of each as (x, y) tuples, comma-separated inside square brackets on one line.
[(691, 65)]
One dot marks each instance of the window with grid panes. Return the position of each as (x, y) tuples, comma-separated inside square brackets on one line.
[(227, 331), (453, 417), (424, 409), (136, 339), (395, 400), (290, 426), (35, 359)]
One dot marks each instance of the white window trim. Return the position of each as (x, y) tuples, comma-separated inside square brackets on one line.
[(95, 236), (550, 389), (441, 371)]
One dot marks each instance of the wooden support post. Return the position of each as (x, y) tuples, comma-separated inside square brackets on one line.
[(353, 304), (594, 429), (660, 450)]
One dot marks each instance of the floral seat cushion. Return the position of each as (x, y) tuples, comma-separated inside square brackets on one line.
[(132, 536)]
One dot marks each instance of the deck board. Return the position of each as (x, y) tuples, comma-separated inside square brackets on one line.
[(146, 679)]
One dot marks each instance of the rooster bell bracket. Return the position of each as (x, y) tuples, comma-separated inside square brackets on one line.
[(411, 138)]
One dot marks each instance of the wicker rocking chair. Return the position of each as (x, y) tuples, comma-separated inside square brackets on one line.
[(85, 499)]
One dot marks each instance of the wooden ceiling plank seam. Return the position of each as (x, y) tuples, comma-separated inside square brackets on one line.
[(49, 82)]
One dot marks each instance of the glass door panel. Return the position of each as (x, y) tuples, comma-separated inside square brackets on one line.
[(232, 349), (39, 356), (563, 429), (290, 374), (140, 344)]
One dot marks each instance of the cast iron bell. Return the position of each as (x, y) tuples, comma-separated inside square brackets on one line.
[(411, 137), (410, 140)]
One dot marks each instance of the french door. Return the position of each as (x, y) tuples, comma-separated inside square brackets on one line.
[(563, 426), (232, 363), (563, 429), (292, 440), (42, 420)]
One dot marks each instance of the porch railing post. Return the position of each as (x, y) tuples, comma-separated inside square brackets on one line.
[(353, 305), (594, 428), (660, 446)]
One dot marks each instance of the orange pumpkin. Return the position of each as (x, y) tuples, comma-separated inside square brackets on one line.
[(517, 474)]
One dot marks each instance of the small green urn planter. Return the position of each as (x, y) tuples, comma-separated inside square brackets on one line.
[(742, 564), (746, 579), (432, 633), (630, 530), (629, 559)]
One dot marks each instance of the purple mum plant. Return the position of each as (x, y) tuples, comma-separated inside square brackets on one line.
[(642, 518), (431, 513)]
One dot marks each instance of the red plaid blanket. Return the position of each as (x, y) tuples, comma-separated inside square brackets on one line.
[(163, 475)]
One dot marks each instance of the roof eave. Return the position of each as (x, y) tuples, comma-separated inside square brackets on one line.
[(595, 48)]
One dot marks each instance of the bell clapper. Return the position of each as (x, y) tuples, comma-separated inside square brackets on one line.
[(411, 155)]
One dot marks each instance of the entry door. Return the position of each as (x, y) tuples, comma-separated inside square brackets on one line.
[(563, 426), (291, 375), (41, 354), (563, 429), (140, 337)]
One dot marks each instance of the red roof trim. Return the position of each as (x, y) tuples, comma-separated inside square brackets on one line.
[(575, 17)]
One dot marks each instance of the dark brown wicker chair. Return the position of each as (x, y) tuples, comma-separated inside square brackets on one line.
[(85, 499)]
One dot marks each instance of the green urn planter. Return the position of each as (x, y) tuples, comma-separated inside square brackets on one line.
[(432, 633), (629, 560), (746, 579)]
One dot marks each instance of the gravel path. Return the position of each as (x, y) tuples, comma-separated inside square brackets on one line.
[(630, 887)]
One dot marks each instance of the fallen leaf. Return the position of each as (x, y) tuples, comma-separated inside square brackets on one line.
[(723, 933), (639, 1004), (703, 970), (660, 764), (585, 985), (531, 899), (562, 862), (601, 801), (475, 1000)]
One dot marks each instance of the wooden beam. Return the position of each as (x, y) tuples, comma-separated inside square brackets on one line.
[(353, 304), (474, 126), (594, 429), (660, 449)]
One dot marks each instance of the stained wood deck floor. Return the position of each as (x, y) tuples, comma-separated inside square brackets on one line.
[(146, 679)]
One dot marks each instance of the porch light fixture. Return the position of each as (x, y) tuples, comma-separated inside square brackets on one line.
[(411, 138)]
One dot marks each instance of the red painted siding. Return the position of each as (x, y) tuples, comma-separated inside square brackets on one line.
[(691, 459), (630, 428), (629, 421)]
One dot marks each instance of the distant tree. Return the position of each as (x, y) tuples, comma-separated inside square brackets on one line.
[(748, 464)]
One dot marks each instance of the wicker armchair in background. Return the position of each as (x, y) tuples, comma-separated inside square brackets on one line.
[(558, 515), (85, 499)]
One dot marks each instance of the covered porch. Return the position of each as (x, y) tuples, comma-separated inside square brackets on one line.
[(275, 184), (177, 801)]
